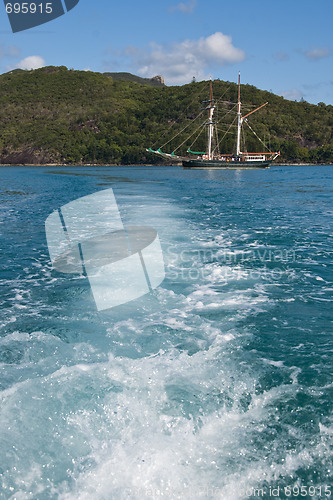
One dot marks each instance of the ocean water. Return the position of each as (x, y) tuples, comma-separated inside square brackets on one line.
[(216, 385)]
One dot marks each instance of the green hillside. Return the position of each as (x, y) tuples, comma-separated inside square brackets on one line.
[(156, 81), (56, 115)]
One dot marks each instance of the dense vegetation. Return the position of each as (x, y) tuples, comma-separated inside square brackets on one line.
[(55, 115), (156, 81)]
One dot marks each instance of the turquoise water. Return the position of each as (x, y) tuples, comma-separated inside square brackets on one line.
[(216, 385)]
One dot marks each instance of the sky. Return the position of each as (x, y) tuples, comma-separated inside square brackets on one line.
[(283, 46)]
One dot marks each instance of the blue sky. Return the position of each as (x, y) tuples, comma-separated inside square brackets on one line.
[(285, 46)]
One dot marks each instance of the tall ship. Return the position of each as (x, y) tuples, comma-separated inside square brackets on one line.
[(212, 157)]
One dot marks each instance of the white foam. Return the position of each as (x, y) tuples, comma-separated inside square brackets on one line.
[(277, 364)]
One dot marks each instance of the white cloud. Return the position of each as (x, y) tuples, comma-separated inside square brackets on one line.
[(179, 62), (316, 53), (292, 94), (281, 56), (31, 62), (9, 52), (187, 7), (13, 51)]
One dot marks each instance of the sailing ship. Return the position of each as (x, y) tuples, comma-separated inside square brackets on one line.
[(212, 158)]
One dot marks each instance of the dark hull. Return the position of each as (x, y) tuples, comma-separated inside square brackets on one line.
[(224, 164)]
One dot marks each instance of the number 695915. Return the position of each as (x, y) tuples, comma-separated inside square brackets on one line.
[(29, 8)]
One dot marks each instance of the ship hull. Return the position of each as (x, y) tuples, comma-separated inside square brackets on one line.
[(224, 164)]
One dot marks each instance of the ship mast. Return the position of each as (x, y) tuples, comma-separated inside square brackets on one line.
[(210, 122), (239, 119)]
